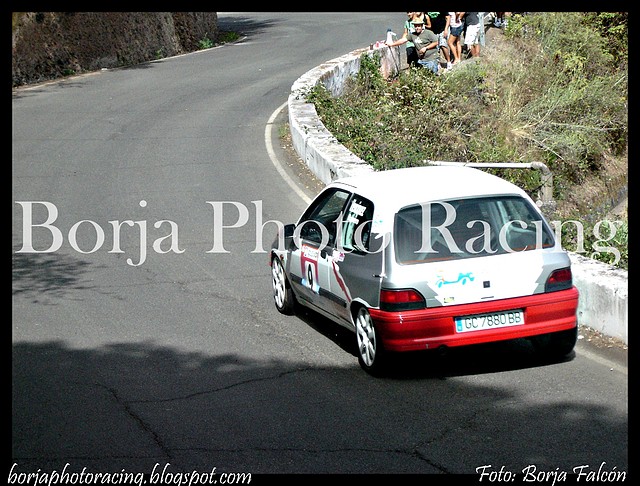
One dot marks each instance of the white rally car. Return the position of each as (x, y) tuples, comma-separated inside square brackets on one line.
[(428, 257)]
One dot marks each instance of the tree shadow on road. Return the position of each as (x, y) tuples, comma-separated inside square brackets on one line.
[(38, 275), (133, 405)]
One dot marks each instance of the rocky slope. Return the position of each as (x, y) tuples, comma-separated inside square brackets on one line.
[(50, 45)]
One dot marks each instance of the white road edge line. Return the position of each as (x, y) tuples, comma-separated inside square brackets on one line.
[(274, 159)]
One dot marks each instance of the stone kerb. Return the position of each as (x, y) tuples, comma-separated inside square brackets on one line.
[(319, 149)]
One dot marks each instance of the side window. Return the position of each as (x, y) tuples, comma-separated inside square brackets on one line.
[(523, 227), (356, 225), (321, 217)]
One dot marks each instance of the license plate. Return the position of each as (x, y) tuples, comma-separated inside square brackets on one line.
[(483, 322)]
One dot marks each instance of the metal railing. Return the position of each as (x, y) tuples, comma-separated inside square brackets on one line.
[(545, 196)]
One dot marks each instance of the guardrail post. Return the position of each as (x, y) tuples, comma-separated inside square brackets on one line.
[(548, 204)]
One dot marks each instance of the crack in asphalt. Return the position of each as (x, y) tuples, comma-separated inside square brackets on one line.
[(223, 388), (412, 452), (139, 420)]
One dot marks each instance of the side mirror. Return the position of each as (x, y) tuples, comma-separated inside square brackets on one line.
[(288, 230)]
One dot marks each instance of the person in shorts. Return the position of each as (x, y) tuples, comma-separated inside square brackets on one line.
[(474, 29), (456, 26), (440, 26)]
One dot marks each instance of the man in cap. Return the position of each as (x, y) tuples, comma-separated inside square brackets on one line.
[(426, 43)]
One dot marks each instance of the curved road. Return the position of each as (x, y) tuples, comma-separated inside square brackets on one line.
[(158, 349)]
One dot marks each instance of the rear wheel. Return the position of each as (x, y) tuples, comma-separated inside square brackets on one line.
[(556, 344), (282, 292), (371, 355)]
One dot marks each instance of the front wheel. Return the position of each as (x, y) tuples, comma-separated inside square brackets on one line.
[(371, 355), (282, 292)]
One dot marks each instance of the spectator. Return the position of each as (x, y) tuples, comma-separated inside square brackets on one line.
[(426, 44), (424, 17), (474, 26), (500, 21), (412, 55), (440, 27), (456, 25)]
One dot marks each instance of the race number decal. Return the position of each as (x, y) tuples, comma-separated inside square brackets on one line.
[(309, 267)]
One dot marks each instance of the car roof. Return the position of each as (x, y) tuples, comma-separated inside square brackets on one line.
[(392, 190), (397, 188)]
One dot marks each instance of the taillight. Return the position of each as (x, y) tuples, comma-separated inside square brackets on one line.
[(400, 300), (560, 279)]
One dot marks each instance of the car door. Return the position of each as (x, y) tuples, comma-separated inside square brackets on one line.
[(313, 245), (356, 264)]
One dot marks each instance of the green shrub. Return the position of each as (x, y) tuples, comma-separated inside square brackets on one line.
[(606, 241), (205, 43)]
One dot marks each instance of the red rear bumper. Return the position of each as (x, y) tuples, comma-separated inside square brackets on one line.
[(434, 327)]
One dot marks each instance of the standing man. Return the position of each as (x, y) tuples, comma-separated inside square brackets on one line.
[(475, 25), (426, 43), (440, 26)]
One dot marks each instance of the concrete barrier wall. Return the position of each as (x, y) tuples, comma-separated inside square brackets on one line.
[(603, 289), (603, 302)]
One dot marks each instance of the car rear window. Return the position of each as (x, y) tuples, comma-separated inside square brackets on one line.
[(467, 228)]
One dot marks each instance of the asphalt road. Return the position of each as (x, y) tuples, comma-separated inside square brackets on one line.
[(159, 350)]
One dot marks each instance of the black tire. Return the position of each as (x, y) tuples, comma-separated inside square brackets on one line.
[(556, 344), (371, 354), (282, 293)]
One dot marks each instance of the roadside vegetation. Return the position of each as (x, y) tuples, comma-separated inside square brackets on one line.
[(555, 91), (223, 38)]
